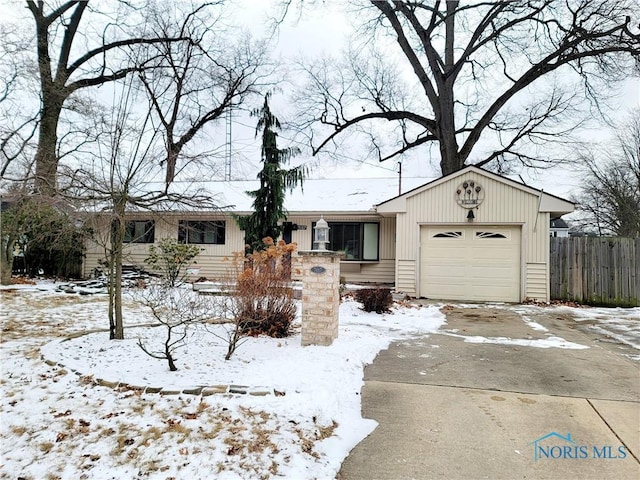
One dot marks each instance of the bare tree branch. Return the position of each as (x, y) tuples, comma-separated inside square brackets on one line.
[(473, 63)]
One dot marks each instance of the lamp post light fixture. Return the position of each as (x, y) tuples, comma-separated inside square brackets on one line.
[(321, 233)]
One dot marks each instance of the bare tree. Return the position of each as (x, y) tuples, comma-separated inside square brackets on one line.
[(192, 84), (487, 83), (610, 196), (69, 60), (117, 180), (179, 311), (18, 122)]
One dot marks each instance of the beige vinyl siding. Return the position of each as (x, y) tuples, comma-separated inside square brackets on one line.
[(361, 273), (537, 283), (503, 205), (212, 262), (406, 276)]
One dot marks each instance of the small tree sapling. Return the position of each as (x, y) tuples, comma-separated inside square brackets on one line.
[(171, 259), (179, 311)]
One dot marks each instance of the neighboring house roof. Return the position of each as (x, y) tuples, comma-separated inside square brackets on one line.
[(548, 203), (559, 223)]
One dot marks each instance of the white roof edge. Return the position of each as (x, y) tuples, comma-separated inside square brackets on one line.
[(556, 205), (548, 203)]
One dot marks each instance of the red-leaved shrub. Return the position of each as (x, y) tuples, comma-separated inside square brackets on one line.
[(377, 299)]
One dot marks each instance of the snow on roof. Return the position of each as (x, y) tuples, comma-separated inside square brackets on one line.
[(317, 195), (558, 223)]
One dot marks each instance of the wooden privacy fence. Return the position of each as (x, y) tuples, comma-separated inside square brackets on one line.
[(596, 270)]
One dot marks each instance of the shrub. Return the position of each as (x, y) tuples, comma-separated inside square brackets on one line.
[(262, 298), (265, 299), (179, 311), (171, 258), (377, 299)]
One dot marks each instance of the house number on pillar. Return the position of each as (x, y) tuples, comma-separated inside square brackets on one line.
[(318, 270)]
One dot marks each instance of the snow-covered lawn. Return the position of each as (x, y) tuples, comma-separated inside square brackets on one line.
[(299, 418), (58, 423)]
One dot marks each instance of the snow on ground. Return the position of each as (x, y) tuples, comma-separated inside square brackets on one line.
[(550, 342), (534, 325), (61, 424), (621, 324)]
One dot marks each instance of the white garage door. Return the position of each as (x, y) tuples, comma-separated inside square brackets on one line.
[(480, 263)]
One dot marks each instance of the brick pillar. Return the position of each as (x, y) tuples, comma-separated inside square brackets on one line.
[(320, 296)]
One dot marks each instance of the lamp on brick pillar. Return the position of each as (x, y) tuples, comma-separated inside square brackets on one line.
[(321, 233)]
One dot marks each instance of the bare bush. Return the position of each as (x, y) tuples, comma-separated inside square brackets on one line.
[(261, 297), (179, 311)]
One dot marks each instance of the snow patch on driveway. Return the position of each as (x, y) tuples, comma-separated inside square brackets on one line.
[(534, 325), (551, 342)]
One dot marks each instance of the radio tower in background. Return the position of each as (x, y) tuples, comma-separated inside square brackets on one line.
[(227, 148)]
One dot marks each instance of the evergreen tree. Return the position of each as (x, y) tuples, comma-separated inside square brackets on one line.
[(268, 203)]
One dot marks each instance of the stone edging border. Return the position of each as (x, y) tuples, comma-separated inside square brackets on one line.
[(202, 390)]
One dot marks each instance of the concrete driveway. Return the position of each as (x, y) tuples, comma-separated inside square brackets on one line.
[(448, 408)]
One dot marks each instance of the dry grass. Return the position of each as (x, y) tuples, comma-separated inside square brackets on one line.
[(176, 426), (140, 407), (122, 441), (45, 447), (326, 432), (249, 437), (210, 434), (149, 435), (18, 430), (202, 406)]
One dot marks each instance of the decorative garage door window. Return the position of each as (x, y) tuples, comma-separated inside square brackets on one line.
[(490, 235), (448, 235)]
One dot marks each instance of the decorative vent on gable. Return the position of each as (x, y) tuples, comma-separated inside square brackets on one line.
[(448, 235), (489, 235)]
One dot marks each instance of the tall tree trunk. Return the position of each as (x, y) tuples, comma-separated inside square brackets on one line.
[(450, 160), (6, 262), (116, 325), (46, 159), (173, 151), (119, 325)]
